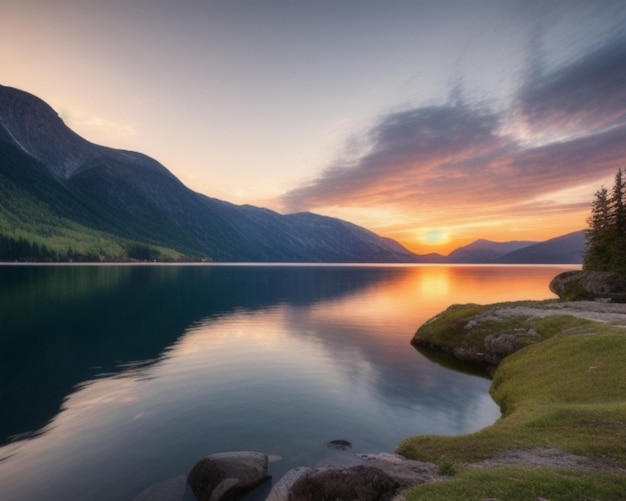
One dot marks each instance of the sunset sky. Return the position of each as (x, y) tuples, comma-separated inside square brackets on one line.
[(432, 122)]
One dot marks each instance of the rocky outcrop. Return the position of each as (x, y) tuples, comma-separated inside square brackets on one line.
[(589, 285), (481, 336), (485, 335), (365, 483), (231, 475), (378, 477), (405, 471), (228, 476)]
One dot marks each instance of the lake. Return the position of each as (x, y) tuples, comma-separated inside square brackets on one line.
[(114, 378)]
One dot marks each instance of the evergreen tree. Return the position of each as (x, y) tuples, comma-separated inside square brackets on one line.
[(618, 203), (599, 233), (606, 236)]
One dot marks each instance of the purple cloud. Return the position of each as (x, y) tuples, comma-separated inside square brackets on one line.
[(588, 93), (405, 149), (458, 155)]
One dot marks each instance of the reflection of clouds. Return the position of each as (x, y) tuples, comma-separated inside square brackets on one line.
[(373, 327), (264, 368), (70, 441), (398, 375), (130, 313), (369, 344), (342, 349)]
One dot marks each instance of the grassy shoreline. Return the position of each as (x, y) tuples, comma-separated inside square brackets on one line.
[(564, 388)]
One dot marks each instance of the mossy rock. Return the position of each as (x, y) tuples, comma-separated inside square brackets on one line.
[(583, 285)]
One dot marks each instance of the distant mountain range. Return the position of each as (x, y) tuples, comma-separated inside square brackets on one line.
[(482, 251), (64, 198), (566, 249)]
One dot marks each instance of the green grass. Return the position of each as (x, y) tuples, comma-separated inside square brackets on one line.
[(518, 484), (567, 390), (449, 330)]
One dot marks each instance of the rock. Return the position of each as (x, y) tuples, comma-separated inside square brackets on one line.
[(339, 444), (589, 285), (227, 476), (377, 477), (499, 346), (467, 354), (280, 491), (405, 471), (365, 483)]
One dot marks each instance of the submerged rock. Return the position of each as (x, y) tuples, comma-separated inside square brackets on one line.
[(339, 444), (228, 476)]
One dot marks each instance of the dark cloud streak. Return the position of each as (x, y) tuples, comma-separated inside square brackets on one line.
[(470, 155), (404, 148), (589, 92)]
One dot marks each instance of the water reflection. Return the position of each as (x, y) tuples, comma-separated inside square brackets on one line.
[(64, 325), (203, 359)]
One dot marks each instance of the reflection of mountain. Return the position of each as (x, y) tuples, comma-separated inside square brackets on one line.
[(65, 325)]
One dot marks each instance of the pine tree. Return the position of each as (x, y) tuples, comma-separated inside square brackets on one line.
[(599, 233), (618, 203), (606, 236)]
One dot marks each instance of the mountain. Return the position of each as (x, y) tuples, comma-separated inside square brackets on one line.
[(62, 197), (485, 251), (566, 249)]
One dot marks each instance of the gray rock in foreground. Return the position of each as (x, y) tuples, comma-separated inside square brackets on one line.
[(280, 491), (365, 483), (378, 477), (227, 476), (406, 471)]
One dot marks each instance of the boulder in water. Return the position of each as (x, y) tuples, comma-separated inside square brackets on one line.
[(228, 476)]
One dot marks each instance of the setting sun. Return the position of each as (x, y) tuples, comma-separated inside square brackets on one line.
[(433, 236)]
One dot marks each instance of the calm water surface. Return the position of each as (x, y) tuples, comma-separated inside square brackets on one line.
[(114, 378)]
